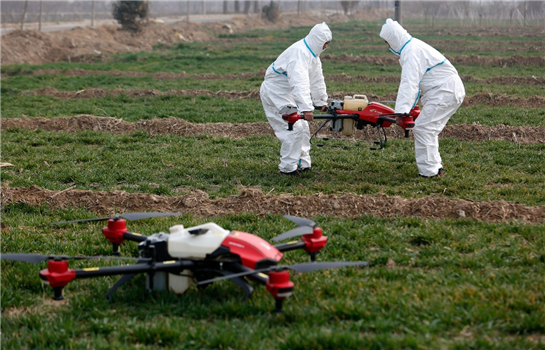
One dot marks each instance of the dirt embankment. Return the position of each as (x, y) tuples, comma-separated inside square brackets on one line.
[(83, 44), (478, 99), (177, 126), (254, 201), (533, 80)]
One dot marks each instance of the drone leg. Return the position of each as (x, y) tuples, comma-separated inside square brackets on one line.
[(279, 306), (118, 284), (313, 256), (58, 293), (115, 249), (239, 281)]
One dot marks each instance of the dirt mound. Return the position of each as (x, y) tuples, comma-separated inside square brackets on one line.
[(83, 44), (98, 93), (78, 72), (87, 44), (254, 201), (177, 126), (478, 99)]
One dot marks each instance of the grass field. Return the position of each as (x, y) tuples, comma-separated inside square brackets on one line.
[(442, 283)]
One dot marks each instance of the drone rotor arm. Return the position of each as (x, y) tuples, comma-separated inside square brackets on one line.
[(139, 267), (133, 236)]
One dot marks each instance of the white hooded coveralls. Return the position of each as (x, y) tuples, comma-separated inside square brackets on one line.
[(424, 70), (296, 79)]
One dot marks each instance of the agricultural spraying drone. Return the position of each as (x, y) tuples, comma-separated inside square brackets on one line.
[(196, 255), (356, 112)]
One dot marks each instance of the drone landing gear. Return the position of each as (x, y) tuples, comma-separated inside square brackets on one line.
[(58, 293), (239, 281), (118, 284), (381, 138), (381, 143)]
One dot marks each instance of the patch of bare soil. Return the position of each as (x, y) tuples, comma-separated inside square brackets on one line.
[(478, 99), (78, 72), (252, 200), (177, 126)]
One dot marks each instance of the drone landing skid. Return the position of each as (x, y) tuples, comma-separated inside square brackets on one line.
[(239, 281), (381, 143)]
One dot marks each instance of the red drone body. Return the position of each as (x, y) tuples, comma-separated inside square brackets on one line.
[(251, 249)]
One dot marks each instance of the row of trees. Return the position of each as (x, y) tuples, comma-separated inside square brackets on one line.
[(474, 11)]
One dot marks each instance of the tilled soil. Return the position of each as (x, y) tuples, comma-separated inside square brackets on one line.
[(254, 201), (478, 99), (78, 72), (177, 126)]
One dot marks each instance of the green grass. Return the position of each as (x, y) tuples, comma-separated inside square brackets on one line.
[(160, 164), (456, 284)]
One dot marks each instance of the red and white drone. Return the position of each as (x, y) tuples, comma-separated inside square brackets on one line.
[(197, 255)]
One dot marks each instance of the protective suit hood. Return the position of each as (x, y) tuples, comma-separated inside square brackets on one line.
[(395, 35), (318, 36)]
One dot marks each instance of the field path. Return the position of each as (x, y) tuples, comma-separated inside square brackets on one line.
[(254, 201), (178, 126), (488, 99)]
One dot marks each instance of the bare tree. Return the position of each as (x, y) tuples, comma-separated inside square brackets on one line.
[(348, 6), (93, 14), (40, 18), (247, 4), (24, 15)]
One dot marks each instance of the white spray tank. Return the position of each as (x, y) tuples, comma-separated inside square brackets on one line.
[(182, 243)]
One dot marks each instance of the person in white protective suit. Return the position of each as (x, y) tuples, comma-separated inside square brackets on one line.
[(424, 71), (295, 79)]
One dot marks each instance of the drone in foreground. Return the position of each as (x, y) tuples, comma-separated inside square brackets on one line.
[(198, 255)]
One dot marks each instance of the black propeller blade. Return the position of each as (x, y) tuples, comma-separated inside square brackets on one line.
[(306, 227), (126, 216), (302, 268), (37, 258), (300, 221), (299, 231)]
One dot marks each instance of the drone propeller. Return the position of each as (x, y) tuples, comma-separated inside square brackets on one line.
[(306, 227), (37, 258), (300, 221), (387, 102), (302, 268), (126, 216)]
